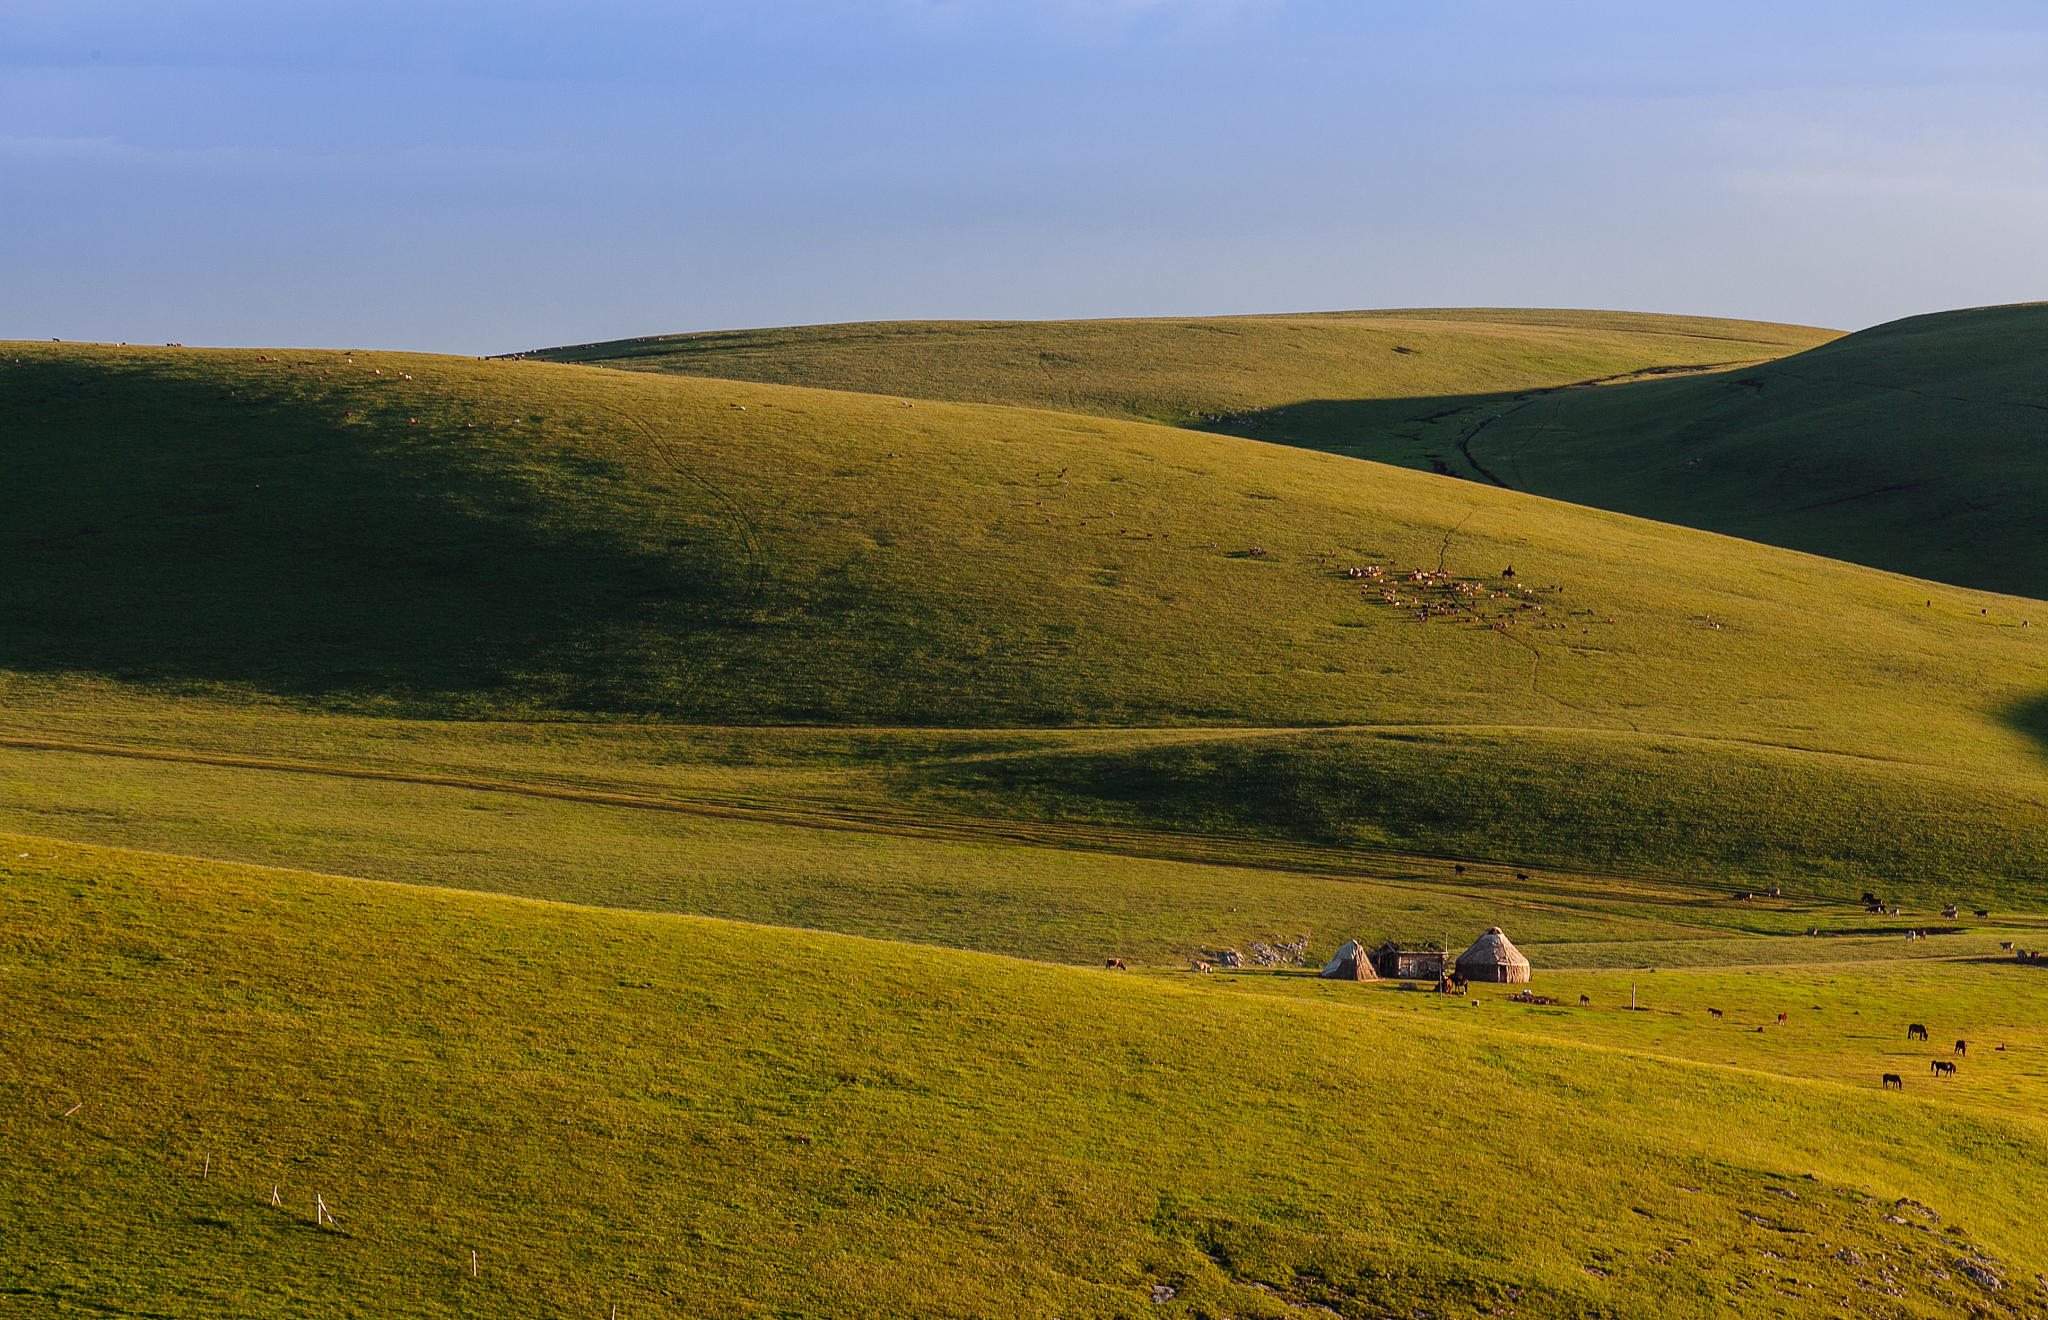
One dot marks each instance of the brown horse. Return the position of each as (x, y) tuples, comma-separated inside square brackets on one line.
[(1916, 1032), (1962, 1047), (1893, 1079), (1942, 1068), (1117, 963)]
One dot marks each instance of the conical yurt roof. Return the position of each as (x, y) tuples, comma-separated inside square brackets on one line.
[(1493, 949)]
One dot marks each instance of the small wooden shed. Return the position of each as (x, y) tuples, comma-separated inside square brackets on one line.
[(1352, 963), (1399, 964), (1493, 958)]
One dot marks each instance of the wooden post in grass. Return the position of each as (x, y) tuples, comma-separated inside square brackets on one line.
[(207, 1172), (472, 1264), (275, 1199), (1631, 996), (74, 1109)]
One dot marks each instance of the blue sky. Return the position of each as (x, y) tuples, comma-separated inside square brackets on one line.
[(472, 178)]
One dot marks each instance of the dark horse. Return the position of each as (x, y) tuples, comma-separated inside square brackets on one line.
[(1916, 1032), (1893, 1079)]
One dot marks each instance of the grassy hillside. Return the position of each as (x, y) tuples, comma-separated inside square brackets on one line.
[(440, 537), (1197, 370), (1914, 446), (1920, 446), (681, 1117)]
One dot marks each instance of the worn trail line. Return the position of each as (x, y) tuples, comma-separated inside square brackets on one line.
[(1247, 852)]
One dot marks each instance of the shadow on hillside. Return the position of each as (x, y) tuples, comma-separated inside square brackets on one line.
[(2029, 717), (158, 529)]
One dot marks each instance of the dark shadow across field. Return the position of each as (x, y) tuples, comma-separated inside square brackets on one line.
[(169, 532)]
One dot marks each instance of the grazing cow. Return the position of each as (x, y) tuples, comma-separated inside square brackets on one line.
[(1585, 1001), (1117, 963), (2006, 945), (1781, 1019), (1715, 1011), (1893, 1079), (1962, 1047), (1198, 966), (1521, 875), (1942, 1068), (1916, 1032), (1459, 868), (1984, 912)]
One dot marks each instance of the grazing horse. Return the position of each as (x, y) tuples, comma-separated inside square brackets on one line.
[(1962, 1047), (1781, 1019), (1916, 1032), (1585, 1001), (1942, 1068), (1893, 1079), (1117, 963), (1198, 966), (1715, 1011)]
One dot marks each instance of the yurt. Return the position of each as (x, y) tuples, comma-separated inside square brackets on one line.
[(1493, 958), (1352, 963)]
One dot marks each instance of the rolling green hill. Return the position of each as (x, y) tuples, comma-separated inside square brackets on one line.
[(441, 537), (678, 1117), (925, 690), (1920, 446), (1192, 371), (1914, 446)]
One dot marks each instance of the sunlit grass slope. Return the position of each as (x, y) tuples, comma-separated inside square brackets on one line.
[(435, 536), (1186, 370), (681, 1117), (1920, 446)]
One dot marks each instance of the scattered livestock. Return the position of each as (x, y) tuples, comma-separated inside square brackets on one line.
[(1781, 1019), (1894, 1080), (1982, 912), (1117, 963), (1942, 1068), (1962, 1047), (1197, 965), (1585, 1001), (1715, 1011), (1916, 1032)]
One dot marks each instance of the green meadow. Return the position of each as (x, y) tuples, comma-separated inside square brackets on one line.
[(1195, 371), (677, 1116), (663, 833)]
